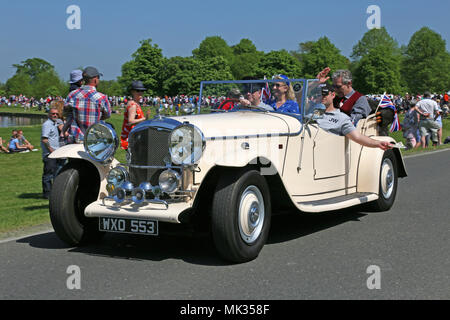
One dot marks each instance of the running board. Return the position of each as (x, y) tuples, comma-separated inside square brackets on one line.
[(337, 203)]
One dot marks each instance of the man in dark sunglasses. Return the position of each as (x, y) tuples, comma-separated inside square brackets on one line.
[(49, 143)]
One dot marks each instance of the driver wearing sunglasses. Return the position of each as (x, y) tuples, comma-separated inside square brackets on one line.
[(252, 97)]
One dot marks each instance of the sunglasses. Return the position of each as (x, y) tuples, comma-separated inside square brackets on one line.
[(337, 86), (54, 113)]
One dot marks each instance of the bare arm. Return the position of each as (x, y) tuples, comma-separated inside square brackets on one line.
[(18, 146), (322, 76), (356, 136), (47, 144), (132, 115)]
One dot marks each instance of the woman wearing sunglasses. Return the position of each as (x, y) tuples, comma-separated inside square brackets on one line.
[(284, 95)]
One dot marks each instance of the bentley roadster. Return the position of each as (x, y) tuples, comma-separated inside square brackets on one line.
[(223, 171)]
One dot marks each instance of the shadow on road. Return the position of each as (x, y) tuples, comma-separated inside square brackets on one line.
[(196, 250), (292, 225)]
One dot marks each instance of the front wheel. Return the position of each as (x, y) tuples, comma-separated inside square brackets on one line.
[(387, 183), (72, 192), (241, 214)]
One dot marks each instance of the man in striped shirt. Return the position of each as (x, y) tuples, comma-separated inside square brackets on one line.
[(88, 105)]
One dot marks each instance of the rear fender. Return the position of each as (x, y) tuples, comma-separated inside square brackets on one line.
[(369, 170), (369, 166)]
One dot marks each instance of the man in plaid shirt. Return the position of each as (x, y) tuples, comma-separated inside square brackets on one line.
[(88, 105)]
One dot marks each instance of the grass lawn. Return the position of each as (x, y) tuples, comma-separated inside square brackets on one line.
[(21, 175), (21, 179)]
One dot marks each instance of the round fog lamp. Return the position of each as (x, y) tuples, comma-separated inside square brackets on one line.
[(123, 192), (169, 181), (116, 176), (138, 195)]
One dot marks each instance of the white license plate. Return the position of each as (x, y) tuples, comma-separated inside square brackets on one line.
[(126, 225)]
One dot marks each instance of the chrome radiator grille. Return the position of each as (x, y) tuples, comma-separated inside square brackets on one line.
[(148, 147)]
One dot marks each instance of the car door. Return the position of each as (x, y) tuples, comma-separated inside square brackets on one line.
[(330, 155)]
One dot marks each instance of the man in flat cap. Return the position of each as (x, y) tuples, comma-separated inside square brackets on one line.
[(88, 105)]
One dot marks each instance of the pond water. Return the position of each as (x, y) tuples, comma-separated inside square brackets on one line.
[(22, 120)]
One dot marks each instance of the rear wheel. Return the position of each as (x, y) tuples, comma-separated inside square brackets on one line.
[(241, 215), (387, 183), (72, 191)]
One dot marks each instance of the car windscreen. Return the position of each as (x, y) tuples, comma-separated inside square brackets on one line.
[(275, 95)]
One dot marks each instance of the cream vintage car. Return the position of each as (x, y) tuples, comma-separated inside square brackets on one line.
[(222, 172)]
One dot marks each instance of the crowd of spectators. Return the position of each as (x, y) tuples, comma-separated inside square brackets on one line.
[(423, 114), (42, 104)]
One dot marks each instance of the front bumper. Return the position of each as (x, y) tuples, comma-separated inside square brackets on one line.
[(138, 211)]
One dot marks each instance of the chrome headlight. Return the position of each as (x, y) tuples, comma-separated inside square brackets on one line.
[(169, 181), (100, 142), (186, 144)]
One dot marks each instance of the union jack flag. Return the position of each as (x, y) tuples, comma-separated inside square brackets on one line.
[(266, 96), (387, 103)]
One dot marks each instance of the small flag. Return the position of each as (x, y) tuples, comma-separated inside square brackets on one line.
[(266, 95), (387, 103)]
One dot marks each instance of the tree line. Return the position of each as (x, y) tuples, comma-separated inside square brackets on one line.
[(377, 62)]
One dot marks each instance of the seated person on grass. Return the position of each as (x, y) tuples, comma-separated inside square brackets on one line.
[(14, 144), (24, 142), (2, 147)]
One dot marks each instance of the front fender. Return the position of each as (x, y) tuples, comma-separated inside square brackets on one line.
[(76, 151)]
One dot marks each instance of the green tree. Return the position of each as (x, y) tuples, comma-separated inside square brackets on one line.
[(20, 83), (245, 59), (33, 67), (316, 55), (278, 62), (212, 47), (427, 62), (2, 89), (182, 75), (377, 61), (110, 88), (378, 72), (47, 80), (374, 38), (34, 77), (145, 66)]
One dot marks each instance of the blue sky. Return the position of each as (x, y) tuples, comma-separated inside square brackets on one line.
[(111, 30)]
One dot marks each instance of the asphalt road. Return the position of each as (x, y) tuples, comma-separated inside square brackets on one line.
[(324, 256)]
